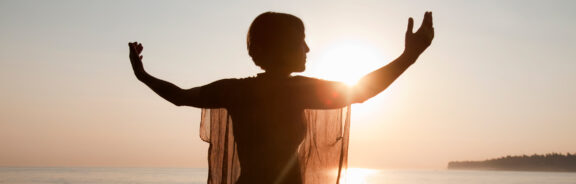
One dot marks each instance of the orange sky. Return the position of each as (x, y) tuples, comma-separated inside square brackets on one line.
[(498, 79)]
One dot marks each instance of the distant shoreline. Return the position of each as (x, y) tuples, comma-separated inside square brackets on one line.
[(551, 162)]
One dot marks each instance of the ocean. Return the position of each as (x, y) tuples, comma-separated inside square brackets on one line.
[(198, 176)]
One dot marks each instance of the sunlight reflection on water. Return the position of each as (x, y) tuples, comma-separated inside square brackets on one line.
[(198, 176), (357, 175)]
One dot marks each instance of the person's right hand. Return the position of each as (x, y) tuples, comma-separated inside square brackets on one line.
[(136, 58), (417, 42)]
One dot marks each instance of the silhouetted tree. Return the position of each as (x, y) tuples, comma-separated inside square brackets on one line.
[(547, 162)]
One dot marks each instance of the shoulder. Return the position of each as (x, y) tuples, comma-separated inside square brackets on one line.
[(311, 80), (228, 84), (224, 81), (219, 85), (300, 78)]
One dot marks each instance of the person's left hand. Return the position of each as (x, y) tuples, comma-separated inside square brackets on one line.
[(417, 42)]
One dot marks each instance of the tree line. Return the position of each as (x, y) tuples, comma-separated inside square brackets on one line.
[(536, 162)]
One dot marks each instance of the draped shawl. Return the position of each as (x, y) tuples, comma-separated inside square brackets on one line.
[(322, 155)]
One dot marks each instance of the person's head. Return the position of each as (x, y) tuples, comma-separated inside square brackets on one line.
[(276, 42)]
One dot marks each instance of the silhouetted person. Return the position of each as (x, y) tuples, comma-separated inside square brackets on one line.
[(267, 110)]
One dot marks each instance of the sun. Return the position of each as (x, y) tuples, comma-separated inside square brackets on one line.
[(347, 61)]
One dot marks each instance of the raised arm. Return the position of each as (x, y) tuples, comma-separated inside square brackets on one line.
[(166, 90), (378, 80)]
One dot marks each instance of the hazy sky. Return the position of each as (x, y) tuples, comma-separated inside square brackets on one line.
[(499, 78)]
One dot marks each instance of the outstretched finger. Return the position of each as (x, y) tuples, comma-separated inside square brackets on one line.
[(431, 20), (410, 26), (131, 46), (428, 19), (140, 47)]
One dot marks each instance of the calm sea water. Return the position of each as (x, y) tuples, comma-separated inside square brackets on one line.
[(198, 176)]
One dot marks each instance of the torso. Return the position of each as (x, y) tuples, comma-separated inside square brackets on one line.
[(268, 128)]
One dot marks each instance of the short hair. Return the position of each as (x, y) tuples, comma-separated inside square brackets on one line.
[(270, 34)]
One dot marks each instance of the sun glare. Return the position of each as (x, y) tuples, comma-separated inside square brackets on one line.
[(347, 61), (357, 175)]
